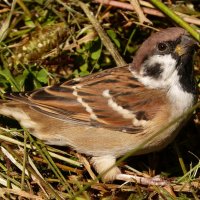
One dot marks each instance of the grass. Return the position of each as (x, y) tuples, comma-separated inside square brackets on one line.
[(47, 42)]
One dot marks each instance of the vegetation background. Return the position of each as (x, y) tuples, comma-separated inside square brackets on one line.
[(48, 42)]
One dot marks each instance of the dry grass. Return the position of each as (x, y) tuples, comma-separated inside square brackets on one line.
[(46, 42)]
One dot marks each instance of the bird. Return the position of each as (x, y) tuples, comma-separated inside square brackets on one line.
[(109, 113)]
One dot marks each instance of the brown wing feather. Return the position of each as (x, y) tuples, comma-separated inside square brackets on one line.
[(82, 101)]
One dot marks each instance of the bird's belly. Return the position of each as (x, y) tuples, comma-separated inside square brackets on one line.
[(99, 142)]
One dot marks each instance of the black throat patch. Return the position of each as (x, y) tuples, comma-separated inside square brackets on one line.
[(185, 71)]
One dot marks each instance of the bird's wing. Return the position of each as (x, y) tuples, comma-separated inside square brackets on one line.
[(111, 99)]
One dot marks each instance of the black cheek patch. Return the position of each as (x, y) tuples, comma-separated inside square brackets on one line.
[(153, 70)]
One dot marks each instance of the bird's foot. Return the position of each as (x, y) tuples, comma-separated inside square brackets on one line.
[(142, 180)]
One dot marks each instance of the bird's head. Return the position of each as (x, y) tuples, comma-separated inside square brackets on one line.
[(165, 59)]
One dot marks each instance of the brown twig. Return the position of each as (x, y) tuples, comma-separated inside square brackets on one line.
[(146, 10), (142, 18), (61, 166), (87, 165), (20, 193), (104, 38), (184, 187)]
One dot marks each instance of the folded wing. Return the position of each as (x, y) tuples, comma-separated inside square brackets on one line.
[(112, 99)]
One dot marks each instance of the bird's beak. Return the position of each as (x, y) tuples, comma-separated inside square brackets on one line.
[(186, 43)]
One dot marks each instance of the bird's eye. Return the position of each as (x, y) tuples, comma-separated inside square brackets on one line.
[(162, 46)]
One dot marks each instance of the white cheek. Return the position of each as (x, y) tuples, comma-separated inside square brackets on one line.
[(167, 63), (168, 66)]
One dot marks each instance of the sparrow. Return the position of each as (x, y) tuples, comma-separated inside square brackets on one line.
[(109, 113)]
